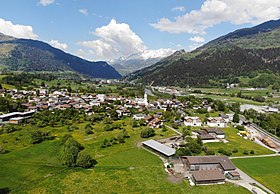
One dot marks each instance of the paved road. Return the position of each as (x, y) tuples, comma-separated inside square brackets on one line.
[(255, 156)]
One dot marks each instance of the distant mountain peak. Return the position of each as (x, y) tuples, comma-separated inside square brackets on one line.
[(136, 61)]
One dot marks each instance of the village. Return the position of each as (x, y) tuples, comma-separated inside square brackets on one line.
[(199, 170)]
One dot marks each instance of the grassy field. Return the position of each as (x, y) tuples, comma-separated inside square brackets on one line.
[(266, 170), (37, 169), (235, 141), (228, 98), (121, 168)]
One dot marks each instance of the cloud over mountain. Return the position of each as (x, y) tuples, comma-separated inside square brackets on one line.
[(59, 45), (17, 30), (213, 12), (113, 41)]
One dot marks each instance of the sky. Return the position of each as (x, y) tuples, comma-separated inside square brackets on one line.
[(110, 29)]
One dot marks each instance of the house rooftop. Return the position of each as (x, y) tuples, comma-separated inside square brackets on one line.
[(208, 175), (214, 130), (159, 147), (224, 161)]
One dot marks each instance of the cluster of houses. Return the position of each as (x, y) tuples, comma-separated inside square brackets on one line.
[(220, 121), (153, 121)]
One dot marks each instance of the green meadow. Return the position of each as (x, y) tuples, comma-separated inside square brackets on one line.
[(266, 170), (238, 142), (121, 168)]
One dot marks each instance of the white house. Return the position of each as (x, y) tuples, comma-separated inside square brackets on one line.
[(101, 97), (192, 121), (216, 122), (139, 116)]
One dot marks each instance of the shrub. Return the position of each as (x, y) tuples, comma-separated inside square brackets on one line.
[(235, 150), (88, 131), (220, 150), (209, 152), (240, 127), (245, 152), (227, 152), (108, 128), (252, 152)]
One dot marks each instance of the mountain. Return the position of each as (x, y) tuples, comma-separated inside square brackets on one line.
[(33, 55), (136, 61), (238, 53)]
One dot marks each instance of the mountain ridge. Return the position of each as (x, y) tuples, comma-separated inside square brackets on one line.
[(234, 54), (34, 55)]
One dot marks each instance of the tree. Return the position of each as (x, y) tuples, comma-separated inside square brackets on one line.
[(147, 132), (88, 129), (235, 118), (105, 143), (84, 160), (186, 131), (1, 87), (135, 124), (183, 152), (221, 106), (69, 156), (108, 128), (70, 151), (69, 89), (120, 138), (39, 136), (195, 148), (199, 140)]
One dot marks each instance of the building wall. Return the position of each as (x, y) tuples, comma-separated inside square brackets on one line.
[(193, 124), (203, 167), (210, 124)]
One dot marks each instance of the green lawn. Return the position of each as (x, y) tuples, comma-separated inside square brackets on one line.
[(121, 168), (235, 141), (266, 170)]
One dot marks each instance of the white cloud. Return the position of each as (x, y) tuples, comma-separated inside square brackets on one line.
[(46, 2), (113, 41), (179, 8), (213, 12), (57, 44), (83, 11), (16, 30), (197, 39)]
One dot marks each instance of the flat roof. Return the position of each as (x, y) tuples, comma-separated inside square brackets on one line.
[(16, 113), (159, 147), (208, 175), (224, 161)]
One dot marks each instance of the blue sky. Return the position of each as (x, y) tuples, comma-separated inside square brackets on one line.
[(109, 29)]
